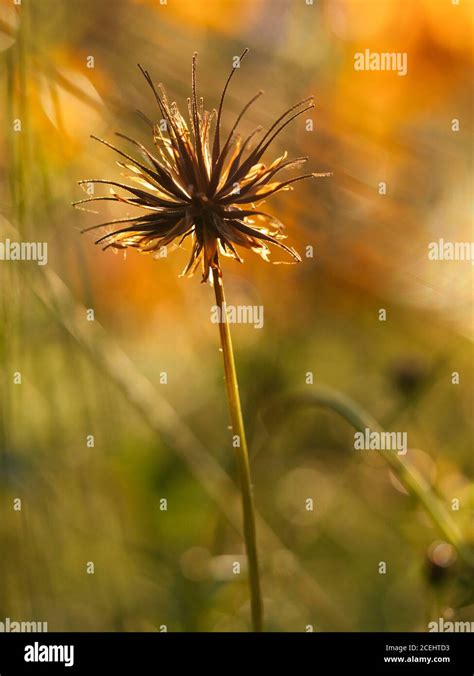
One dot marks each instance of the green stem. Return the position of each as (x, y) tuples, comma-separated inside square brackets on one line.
[(407, 474), (243, 462)]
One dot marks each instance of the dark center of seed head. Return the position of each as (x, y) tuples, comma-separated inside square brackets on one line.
[(202, 202)]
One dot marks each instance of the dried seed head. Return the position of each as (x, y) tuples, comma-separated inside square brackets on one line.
[(192, 187)]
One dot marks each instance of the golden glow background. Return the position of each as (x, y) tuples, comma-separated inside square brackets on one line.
[(101, 504)]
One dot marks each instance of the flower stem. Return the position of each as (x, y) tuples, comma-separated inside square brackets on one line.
[(243, 462)]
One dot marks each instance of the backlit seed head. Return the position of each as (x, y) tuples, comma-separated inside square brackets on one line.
[(196, 185)]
